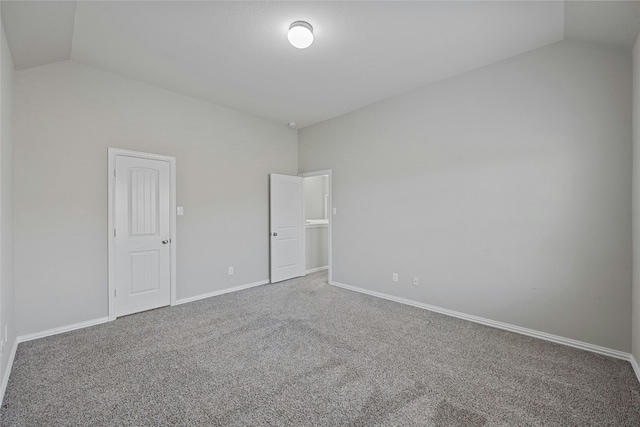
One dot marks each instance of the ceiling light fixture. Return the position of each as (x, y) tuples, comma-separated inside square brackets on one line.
[(300, 34)]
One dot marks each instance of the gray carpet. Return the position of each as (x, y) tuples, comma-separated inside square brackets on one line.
[(303, 353)]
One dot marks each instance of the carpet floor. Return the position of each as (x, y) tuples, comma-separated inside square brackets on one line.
[(303, 353)]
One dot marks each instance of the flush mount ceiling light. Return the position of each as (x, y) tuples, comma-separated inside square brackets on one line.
[(300, 34)]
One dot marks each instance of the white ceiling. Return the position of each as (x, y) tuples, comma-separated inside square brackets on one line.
[(236, 54)]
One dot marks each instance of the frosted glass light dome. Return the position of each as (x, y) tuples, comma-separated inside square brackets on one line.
[(300, 34)]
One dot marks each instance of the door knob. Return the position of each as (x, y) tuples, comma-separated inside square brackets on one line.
[(275, 234), (164, 242)]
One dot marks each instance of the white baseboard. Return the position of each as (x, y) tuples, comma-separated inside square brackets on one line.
[(634, 365), (62, 329), (313, 270), (7, 371), (221, 292), (500, 325)]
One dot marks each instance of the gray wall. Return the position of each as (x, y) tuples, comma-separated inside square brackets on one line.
[(314, 191), (317, 246), (67, 115), (505, 190), (636, 202), (6, 203)]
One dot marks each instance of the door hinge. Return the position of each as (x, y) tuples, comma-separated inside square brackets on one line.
[(114, 172), (115, 293), (114, 232)]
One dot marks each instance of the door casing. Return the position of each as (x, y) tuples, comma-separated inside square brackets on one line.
[(113, 152)]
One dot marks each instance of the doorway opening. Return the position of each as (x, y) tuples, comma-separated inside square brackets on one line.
[(317, 221)]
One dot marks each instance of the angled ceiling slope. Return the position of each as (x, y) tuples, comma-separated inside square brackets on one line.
[(610, 23), (38, 32), (236, 54)]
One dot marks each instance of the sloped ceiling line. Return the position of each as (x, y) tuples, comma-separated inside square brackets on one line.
[(236, 54)]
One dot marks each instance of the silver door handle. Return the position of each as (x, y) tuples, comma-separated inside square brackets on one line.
[(164, 242), (275, 234)]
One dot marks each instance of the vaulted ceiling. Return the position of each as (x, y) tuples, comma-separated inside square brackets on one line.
[(236, 53)]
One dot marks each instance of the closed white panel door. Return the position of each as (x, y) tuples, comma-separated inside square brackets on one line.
[(142, 235), (287, 227)]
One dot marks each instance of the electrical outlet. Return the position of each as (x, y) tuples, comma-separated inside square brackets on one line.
[(415, 281), (395, 277), (230, 271)]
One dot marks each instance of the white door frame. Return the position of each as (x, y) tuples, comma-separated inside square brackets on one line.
[(113, 152), (329, 216)]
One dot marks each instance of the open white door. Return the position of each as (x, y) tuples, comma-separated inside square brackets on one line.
[(287, 227), (142, 237)]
